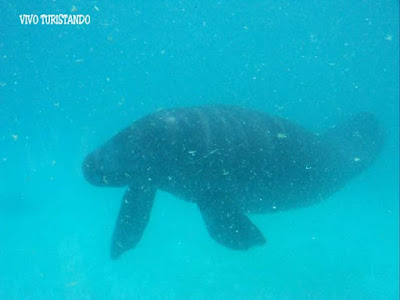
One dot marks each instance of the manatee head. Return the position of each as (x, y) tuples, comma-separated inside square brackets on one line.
[(119, 162)]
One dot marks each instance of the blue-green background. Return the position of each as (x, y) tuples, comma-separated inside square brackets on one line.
[(66, 89)]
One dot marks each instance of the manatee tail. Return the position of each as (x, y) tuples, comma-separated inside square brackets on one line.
[(359, 140)]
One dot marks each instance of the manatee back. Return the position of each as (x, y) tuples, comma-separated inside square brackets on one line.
[(225, 145)]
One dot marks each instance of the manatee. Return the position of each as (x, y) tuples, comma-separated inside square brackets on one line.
[(231, 162)]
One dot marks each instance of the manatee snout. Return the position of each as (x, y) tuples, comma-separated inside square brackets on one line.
[(103, 170), (91, 168)]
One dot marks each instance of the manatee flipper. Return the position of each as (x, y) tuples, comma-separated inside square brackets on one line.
[(229, 226), (132, 219)]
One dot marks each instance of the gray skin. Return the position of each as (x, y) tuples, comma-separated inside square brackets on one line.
[(230, 161)]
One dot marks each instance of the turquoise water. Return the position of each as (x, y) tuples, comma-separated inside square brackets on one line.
[(64, 90)]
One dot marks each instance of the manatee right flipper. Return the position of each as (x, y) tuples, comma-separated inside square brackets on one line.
[(229, 226), (132, 219)]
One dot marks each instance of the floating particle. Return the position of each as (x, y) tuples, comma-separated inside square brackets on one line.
[(281, 136), (170, 119), (74, 9), (72, 283), (389, 37), (15, 137)]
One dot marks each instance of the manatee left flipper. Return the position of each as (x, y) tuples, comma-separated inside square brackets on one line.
[(132, 219), (229, 226)]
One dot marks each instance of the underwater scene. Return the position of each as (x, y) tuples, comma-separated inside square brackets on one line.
[(199, 149)]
